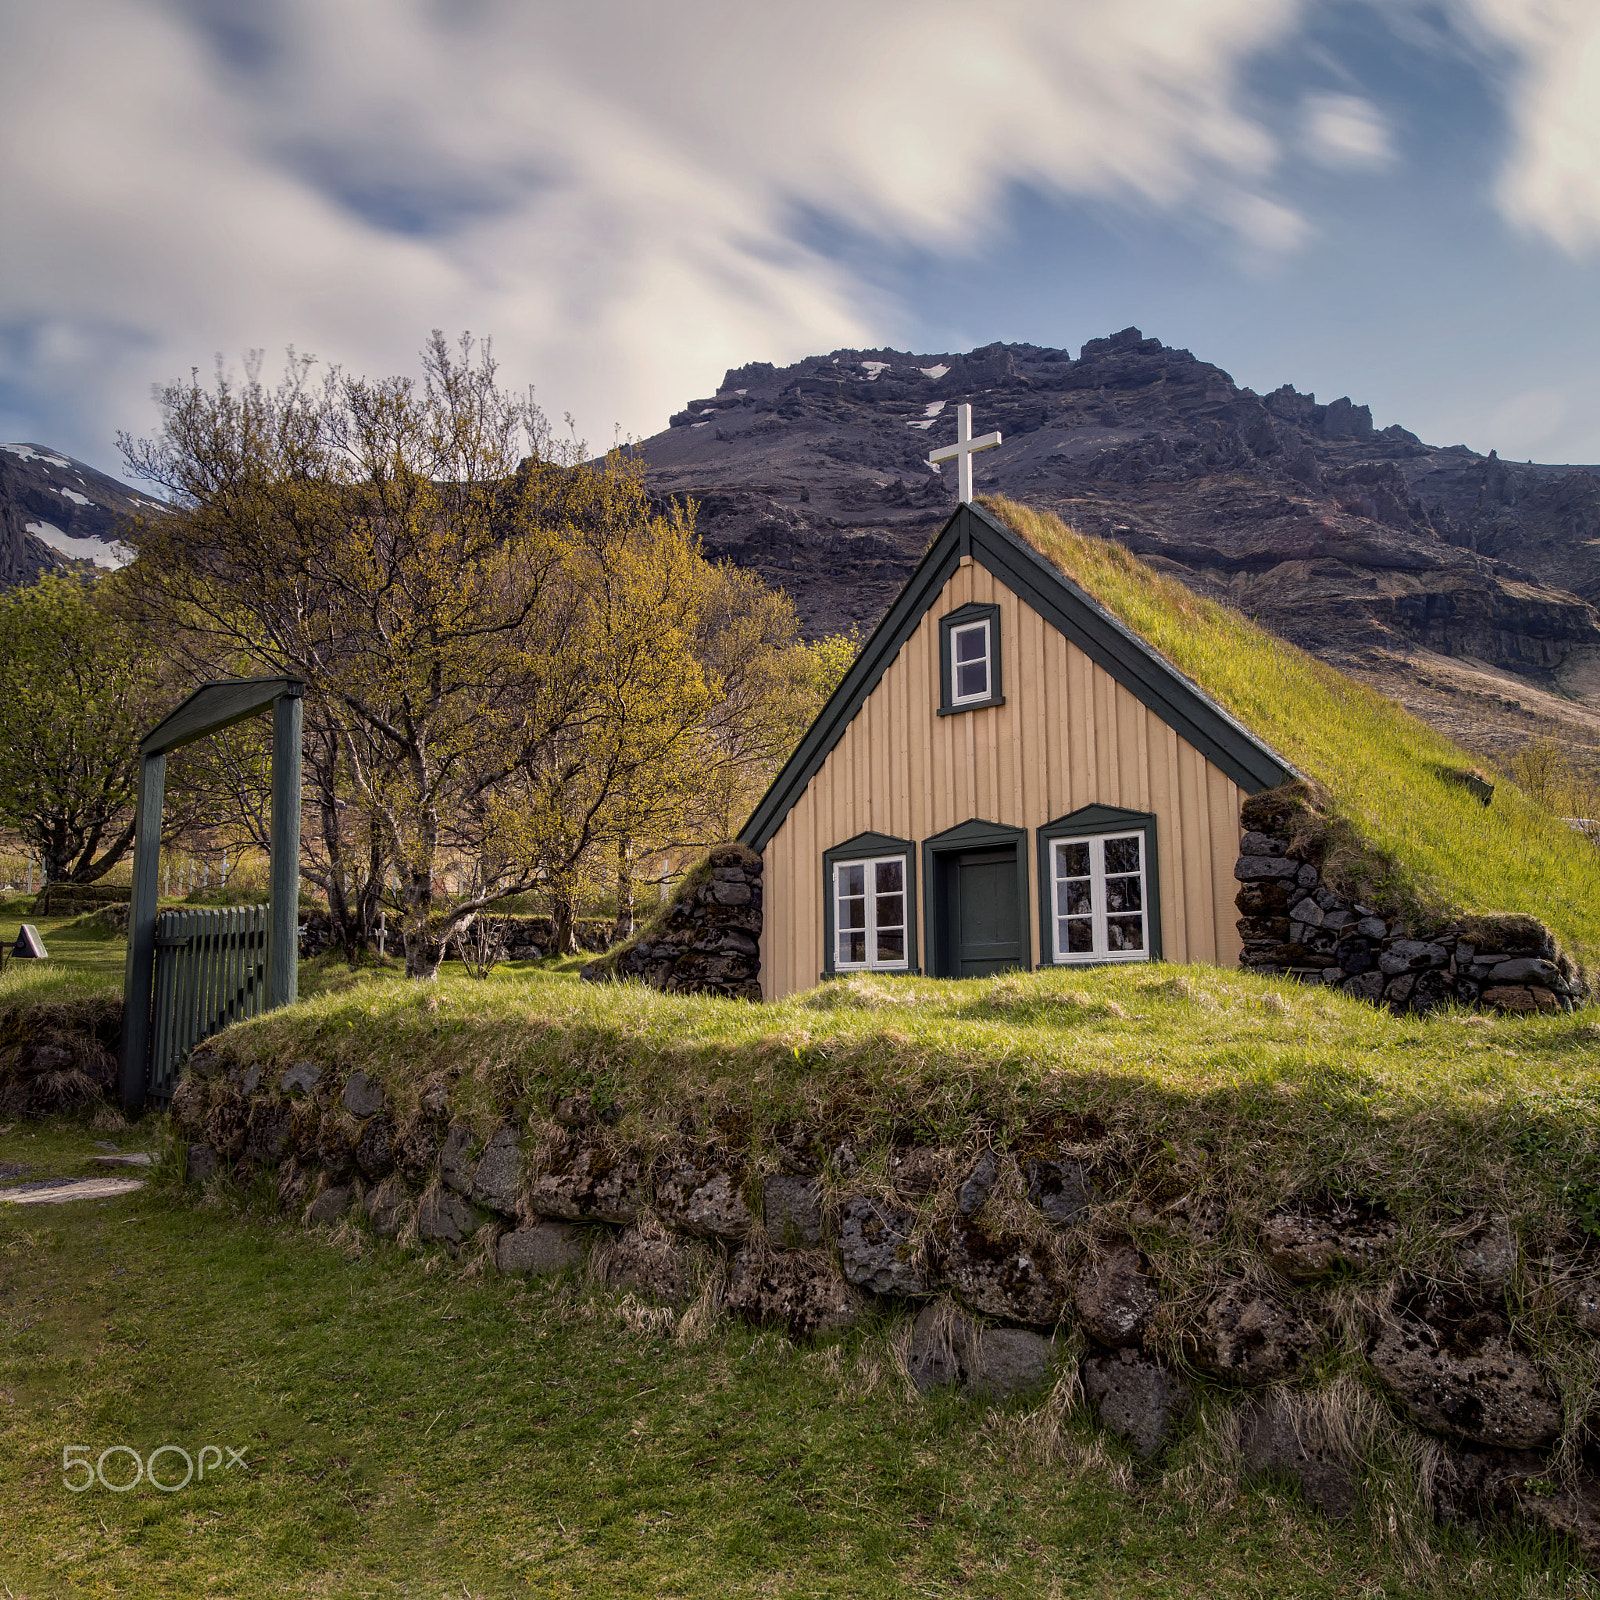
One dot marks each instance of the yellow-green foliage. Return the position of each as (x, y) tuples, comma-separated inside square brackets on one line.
[(1385, 771)]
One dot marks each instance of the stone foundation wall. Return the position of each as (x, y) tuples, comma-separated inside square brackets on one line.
[(58, 1055), (1004, 1265), (709, 940), (1293, 923), (527, 938)]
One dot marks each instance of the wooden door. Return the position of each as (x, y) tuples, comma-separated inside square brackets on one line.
[(985, 920)]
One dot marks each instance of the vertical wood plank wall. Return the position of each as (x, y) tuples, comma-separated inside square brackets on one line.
[(1069, 735)]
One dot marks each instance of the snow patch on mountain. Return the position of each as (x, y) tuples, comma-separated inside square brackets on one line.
[(98, 551), (28, 453)]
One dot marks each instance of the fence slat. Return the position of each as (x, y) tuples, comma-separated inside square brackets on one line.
[(178, 1041), (211, 971)]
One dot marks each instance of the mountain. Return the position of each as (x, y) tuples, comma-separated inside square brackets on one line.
[(1464, 585), (57, 514)]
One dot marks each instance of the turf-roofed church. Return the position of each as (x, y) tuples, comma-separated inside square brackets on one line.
[(1008, 777)]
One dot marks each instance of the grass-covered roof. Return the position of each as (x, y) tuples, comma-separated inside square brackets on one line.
[(1390, 784)]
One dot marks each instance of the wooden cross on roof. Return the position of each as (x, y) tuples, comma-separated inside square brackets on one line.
[(963, 450)]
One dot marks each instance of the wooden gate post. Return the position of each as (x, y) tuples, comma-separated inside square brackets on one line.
[(283, 941), (139, 973), (212, 707)]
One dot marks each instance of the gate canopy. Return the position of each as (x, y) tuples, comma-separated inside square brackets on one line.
[(209, 709)]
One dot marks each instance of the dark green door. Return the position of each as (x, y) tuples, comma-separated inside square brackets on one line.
[(984, 917)]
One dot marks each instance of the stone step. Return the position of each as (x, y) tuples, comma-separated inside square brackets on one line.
[(57, 1191)]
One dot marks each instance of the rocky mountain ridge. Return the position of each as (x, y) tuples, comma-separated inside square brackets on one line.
[(57, 514), (1464, 584)]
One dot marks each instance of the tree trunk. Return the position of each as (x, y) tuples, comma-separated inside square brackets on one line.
[(55, 856), (623, 928), (423, 953), (563, 917)]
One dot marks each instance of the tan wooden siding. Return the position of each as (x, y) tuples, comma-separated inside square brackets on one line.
[(1068, 735)]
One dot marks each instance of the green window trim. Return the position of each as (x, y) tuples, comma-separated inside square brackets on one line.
[(965, 617), (869, 847), (1087, 823)]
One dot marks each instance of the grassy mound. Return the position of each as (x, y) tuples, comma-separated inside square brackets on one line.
[(1425, 842), (1191, 1088), (59, 1033)]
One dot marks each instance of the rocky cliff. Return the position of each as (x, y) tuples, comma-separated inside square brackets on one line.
[(1463, 584), (57, 514)]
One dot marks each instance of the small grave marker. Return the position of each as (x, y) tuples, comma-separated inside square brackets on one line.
[(29, 946)]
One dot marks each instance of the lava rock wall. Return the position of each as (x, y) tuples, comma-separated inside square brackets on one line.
[(1295, 924), (709, 939), (1000, 1264)]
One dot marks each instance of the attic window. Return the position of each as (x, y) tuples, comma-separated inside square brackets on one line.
[(969, 663), (970, 659)]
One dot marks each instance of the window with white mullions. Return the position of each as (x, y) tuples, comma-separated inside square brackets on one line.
[(869, 913), (1101, 912), (969, 663)]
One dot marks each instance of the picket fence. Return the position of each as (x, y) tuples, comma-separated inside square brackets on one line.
[(211, 971)]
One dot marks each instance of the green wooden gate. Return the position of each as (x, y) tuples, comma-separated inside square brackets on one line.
[(211, 971), (191, 973)]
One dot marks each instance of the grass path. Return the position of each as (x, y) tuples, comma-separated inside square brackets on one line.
[(422, 1433)]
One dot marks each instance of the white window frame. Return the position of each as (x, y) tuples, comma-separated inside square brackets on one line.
[(870, 864), (986, 693), (1097, 843)]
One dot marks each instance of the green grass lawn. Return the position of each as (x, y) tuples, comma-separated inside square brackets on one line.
[(76, 944), (413, 1430)]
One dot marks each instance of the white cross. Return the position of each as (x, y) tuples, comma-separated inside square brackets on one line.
[(962, 451)]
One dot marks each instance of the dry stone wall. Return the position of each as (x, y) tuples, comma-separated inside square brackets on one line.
[(708, 941), (1294, 923), (526, 938), (1007, 1266)]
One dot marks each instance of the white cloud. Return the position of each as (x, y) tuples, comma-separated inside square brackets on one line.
[(1551, 180), (612, 190), (1346, 132)]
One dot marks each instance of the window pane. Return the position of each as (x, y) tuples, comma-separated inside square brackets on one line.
[(852, 913), (1125, 933), (972, 644), (891, 911), (891, 946), (857, 947), (1072, 859), (1122, 855), (890, 876), (1072, 898), (853, 879), (972, 680), (1080, 936), (1124, 894)]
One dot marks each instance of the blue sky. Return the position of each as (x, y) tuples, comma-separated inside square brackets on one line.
[(1400, 202)]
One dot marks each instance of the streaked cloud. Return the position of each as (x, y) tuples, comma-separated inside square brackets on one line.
[(611, 189), (1346, 132), (1550, 183)]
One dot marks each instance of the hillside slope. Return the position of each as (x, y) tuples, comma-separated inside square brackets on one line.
[(1460, 583)]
